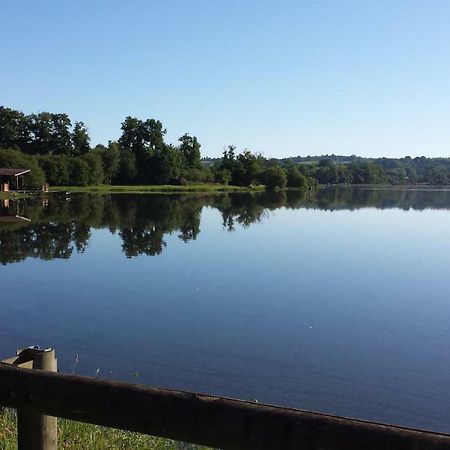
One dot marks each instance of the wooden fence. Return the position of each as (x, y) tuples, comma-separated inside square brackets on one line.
[(190, 417)]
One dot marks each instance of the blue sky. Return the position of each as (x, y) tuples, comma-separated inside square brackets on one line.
[(282, 77)]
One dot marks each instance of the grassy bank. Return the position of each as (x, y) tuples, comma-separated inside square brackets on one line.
[(76, 435), (107, 188)]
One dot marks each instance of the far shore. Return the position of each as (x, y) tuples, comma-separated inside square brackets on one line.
[(165, 188), (195, 188)]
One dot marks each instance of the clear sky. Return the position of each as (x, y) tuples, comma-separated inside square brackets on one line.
[(282, 77)]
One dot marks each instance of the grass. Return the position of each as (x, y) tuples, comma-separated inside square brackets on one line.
[(166, 188), (77, 435)]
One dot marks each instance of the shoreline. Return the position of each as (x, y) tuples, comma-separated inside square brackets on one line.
[(201, 188), (156, 189)]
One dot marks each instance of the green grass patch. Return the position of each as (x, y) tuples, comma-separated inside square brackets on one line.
[(157, 189), (77, 435)]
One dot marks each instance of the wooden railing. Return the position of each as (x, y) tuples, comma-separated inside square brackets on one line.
[(189, 417)]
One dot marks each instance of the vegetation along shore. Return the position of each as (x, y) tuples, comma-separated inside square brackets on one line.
[(59, 152)]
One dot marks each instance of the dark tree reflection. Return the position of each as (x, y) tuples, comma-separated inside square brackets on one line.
[(56, 226)]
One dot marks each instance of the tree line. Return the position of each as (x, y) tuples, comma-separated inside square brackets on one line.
[(393, 171), (59, 152)]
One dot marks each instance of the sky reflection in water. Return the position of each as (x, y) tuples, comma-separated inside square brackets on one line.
[(337, 302)]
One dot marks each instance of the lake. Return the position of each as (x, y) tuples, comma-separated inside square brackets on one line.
[(337, 301)]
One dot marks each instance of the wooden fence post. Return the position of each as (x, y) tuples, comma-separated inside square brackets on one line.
[(34, 430)]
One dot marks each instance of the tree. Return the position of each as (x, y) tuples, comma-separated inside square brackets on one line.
[(274, 177), (366, 173), (165, 165), (143, 139), (325, 162), (95, 167), (12, 128), (343, 174), (222, 176), (80, 139), (190, 150), (110, 160), (228, 161), (56, 168), (436, 174), (295, 179), (246, 170), (78, 172), (50, 134), (127, 171), (312, 183)]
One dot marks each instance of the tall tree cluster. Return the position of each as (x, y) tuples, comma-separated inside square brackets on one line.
[(60, 152), (145, 158), (247, 169), (44, 133)]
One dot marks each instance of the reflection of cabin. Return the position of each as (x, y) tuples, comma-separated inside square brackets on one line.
[(8, 215), (6, 175)]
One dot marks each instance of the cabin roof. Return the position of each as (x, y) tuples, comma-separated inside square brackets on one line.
[(13, 172)]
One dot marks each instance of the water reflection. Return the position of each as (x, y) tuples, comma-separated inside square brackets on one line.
[(56, 226)]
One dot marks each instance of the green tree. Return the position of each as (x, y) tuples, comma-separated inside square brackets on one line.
[(13, 130), (343, 174), (228, 161), (80, 139), (144, 139), (56, 168), (110, 160), (190, 150), (274, 177), (246, 170), (51, 134), (295, 179), (165, 165), (95, 167), (127, 171), (78, 172), (436, 174), (222, 176), (367, 173)]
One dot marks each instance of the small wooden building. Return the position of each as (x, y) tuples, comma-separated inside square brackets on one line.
[(8, 175)]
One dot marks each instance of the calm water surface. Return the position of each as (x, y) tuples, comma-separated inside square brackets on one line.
[(337, 302)]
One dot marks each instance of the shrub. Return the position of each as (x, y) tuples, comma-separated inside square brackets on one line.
[(295, 179), (274, 178)]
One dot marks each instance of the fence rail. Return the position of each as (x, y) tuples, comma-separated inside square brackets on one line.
[(200, 419)]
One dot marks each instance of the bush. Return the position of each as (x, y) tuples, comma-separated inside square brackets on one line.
[(222, 176), (296, 180), (203, 175), (274, 178)]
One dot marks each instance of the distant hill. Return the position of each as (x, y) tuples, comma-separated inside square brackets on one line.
[(341, 159)]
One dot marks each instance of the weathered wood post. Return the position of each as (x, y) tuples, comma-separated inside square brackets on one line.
[(35, 431)]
